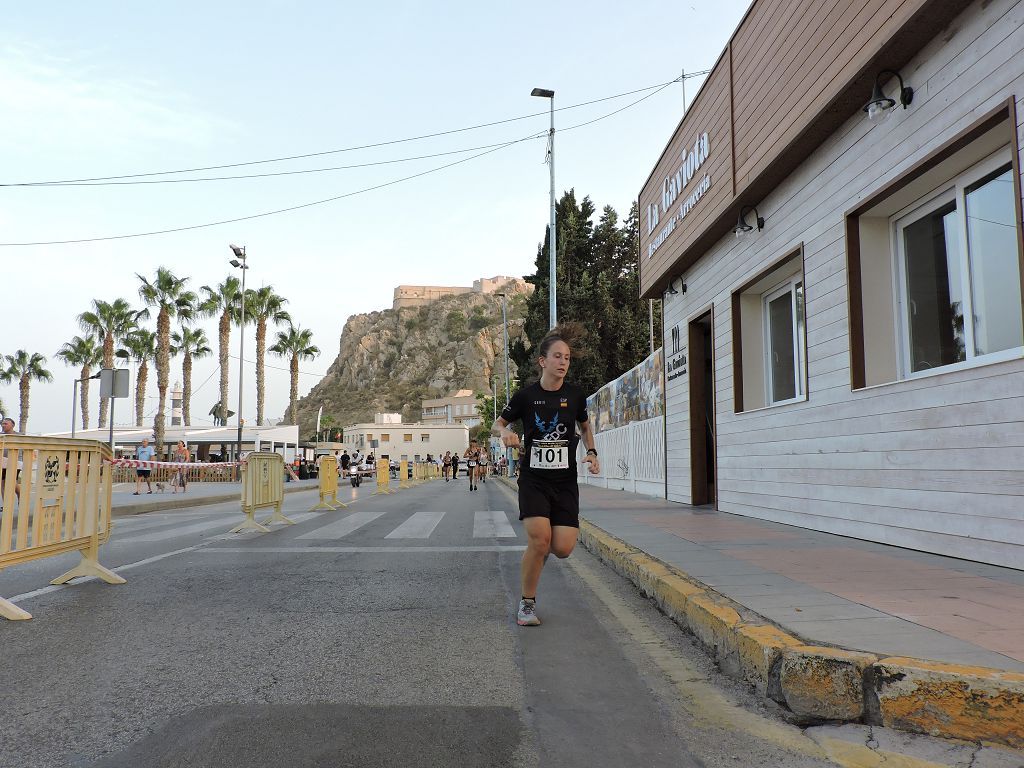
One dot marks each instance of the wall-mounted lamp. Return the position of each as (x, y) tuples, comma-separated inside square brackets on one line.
[(742, 227), (671, 289), (881, 105)]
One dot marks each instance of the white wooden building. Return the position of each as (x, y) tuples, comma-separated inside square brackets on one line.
[(855, 362)]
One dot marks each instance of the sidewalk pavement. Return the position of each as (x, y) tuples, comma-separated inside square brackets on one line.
[(834, 628)]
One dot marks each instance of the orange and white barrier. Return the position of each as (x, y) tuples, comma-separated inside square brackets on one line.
[(56, 499)]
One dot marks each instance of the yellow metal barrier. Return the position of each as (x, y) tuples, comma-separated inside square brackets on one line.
[(403, 473), (56, 499), (383, 478), (262, 486), (328, 474)]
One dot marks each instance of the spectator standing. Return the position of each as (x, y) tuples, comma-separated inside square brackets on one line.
[(7, 430), (181, 456), (144, 452)]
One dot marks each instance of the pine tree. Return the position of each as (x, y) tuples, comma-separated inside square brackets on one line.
[(598, 286)]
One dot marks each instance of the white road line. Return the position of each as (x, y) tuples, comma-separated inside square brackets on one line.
[(119, 569), (223, 521), (419, 526), (343, 527), (345, 550), (492, 524)]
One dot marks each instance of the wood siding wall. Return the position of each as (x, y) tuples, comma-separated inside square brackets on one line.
[(792, 73), (935, 463)]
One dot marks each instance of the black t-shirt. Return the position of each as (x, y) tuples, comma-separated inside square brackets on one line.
[(548, 416)]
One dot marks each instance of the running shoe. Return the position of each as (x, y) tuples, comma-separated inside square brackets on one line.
[(527, 616)]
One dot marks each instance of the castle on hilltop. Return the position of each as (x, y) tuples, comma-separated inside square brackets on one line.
[(421, 295)]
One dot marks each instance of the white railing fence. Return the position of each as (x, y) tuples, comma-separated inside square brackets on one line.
[(632, 458)]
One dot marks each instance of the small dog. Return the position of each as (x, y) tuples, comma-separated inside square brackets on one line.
[(160, 487)]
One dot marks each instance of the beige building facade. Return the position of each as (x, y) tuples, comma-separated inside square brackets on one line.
[(460, 408), (411, 442)]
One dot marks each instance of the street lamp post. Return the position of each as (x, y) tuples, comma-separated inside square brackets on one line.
[(74, 402), (504, 322), (552, 237), (239, 263)]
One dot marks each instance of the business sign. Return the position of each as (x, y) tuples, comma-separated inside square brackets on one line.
[(675, 366), (672, 190)]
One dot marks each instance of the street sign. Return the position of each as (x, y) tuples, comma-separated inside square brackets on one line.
[(114, 382)]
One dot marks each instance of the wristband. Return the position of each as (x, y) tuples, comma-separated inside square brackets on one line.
[(591, 452)]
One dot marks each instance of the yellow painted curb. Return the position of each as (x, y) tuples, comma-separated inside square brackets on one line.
[(714, 624), (824, 683), (759, 647), (821, 683), (972, 703)]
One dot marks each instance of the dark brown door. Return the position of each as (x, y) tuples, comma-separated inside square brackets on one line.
[(702, 411)]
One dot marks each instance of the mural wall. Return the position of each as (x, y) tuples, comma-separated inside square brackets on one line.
[(637, 395)]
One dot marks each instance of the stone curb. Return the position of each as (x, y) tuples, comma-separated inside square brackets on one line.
[(818, 683), (139, 508)]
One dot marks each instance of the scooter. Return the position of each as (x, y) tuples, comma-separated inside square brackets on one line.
[(354, 475)]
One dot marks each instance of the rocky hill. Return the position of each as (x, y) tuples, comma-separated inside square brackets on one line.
[(390, 361)]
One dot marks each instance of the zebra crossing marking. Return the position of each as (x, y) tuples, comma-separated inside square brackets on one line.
[(133, 525), (492, 524), (174, 531), (358, 550), (343, 527), (419, 526)]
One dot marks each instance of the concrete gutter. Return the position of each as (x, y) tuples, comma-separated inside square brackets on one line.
[(140, 507), (819, 683)]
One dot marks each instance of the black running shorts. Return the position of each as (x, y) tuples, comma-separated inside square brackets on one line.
[(557, 499)]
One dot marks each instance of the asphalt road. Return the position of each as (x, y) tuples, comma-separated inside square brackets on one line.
[(379, 635)]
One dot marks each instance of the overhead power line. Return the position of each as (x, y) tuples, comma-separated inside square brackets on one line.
[(269, 174), (374, 145), (268, 213), (353, 193)]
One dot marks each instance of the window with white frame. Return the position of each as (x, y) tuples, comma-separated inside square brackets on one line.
[(935, 260), (783, 342), (958, 293), (770, 338)]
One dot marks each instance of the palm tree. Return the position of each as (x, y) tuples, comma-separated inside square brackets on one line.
[(110, 321), (83, 351), (223, 301), (25, 368), (193, 344), (262, 305), (140, 346), (297, 343), (168, 295)]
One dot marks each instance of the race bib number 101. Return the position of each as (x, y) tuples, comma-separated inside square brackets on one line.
[(549, 454)]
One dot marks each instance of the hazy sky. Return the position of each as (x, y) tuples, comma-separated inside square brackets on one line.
[(106, 89)]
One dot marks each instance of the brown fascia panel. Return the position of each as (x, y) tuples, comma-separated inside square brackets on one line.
[(906, 43)]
